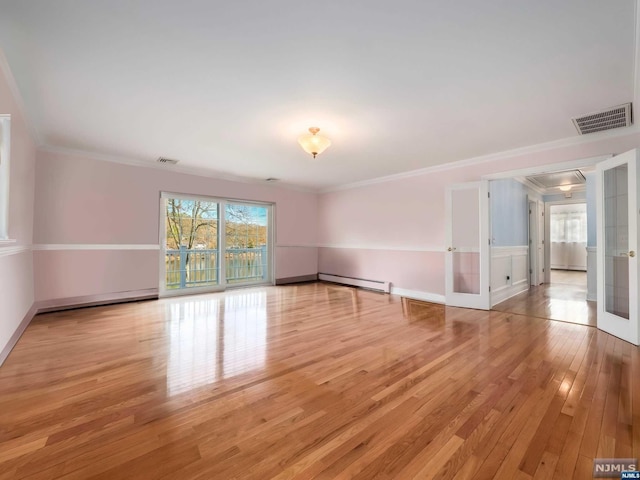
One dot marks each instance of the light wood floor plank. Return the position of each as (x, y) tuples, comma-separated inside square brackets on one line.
[(313, 381)]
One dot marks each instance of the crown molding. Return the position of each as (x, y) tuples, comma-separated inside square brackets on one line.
[(17, 97), (579, 164), (530, 185), (186, 170), (548, 191), (517, 152), (203, 172)]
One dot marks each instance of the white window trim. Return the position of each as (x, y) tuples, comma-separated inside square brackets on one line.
[(5, 159)]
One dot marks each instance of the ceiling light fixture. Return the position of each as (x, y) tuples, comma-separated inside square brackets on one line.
[(313, 143), (565, 188)]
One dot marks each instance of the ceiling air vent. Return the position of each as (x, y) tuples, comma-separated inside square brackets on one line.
[(167, 161), (614, 117)]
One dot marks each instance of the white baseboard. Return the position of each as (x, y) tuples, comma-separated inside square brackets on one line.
[(505, 293), (56, 304), (18, 333), (418, 295), (355, 282)]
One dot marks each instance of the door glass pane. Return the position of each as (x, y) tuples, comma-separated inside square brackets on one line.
[(616, 239), (465, 241), (191, 255), (246, 237)]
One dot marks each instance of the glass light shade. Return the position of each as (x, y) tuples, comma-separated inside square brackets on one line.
[(565, 188), (313, 143)]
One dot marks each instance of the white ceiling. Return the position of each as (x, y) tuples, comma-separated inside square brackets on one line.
[(396, 85)]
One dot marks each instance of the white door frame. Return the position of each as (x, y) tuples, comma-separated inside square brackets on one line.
[(549, 168)]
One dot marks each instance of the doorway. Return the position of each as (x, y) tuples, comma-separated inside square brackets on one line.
[(617, 199), (555, 233), (210, 244), (568, 245)]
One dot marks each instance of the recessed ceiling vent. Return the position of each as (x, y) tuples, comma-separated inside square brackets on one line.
[(615, 117), (167, 161)]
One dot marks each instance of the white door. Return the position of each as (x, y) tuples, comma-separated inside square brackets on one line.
[(540, 242), (617, 218), (536, 242), (533, 254), (467, 256)]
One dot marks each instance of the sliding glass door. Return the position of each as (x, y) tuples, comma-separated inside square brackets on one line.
[(208, 244)]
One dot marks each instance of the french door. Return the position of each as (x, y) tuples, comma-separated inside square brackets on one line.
[(208, 244), (467, 255), (617, 219)]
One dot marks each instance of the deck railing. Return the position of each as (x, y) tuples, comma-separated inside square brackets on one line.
[(200, 267)]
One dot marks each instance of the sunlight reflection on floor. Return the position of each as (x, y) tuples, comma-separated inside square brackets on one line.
[(214, 337)]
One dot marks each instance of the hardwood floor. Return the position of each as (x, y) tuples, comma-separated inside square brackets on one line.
[(564, 299), (570, 277), (313, 381)]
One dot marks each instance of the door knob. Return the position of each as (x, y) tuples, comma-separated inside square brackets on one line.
[(450, 249), (632, 253)]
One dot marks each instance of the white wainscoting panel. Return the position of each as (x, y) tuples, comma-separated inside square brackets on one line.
[(509, 272)]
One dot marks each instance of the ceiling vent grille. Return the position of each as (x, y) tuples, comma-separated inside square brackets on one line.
[(167, 161), (615, 117)]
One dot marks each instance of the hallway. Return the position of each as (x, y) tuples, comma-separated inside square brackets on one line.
[(563, 299)]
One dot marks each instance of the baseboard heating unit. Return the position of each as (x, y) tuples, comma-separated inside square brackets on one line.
[(377, 285)]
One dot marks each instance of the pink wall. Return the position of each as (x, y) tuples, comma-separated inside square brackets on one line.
[(419, 271), (67, 274), (84, 201), (16, 263), (395, 231)]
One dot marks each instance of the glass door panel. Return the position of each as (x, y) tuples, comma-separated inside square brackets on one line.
[(616, 241), (465, 241), (246, 243), (191, 243), (617, 205)]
